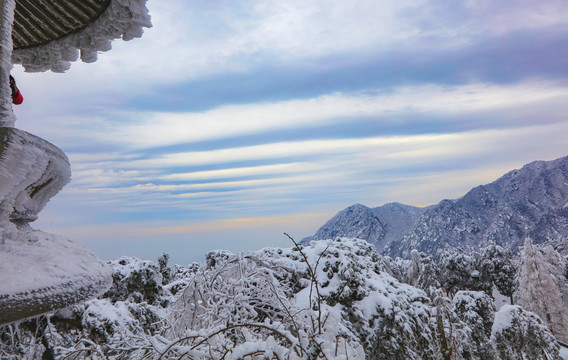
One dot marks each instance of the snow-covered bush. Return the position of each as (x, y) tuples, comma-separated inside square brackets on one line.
[(475, 312), (135, 280), (518, 335), (334, 299), (267, 303), (328, 300)]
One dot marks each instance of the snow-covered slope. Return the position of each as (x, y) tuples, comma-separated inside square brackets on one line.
[(379, 225), (529, 202), (334, 299), (38, 272), (399, 219)]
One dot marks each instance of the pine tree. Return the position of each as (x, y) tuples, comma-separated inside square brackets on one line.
[(457, 272), (500, 266), (539, 290)]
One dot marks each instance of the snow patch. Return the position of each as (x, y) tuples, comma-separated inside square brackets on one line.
[(564, 353), (504, 318)]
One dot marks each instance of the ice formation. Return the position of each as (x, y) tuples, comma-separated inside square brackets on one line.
[(33, 171), (39, 272), (123, 19), (43, 272), (7, 117)]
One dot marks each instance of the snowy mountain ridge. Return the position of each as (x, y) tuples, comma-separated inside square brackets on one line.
[(379, 226), (527, 202)]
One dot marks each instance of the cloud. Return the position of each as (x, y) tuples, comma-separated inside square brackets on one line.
[(505, 16), (243, 171), (333, 169), (230, 117), (196, 40), (161, 129)]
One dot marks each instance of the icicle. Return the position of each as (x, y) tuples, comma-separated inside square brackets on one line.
[(122, 19), (7, 117)]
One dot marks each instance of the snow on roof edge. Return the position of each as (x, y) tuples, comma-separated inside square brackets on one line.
[(122, 19)]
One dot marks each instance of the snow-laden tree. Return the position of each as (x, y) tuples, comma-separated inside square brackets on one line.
[(330, 300), (499, 265), (459, 271), (559, 269), (429, 275), (540, 287), (420, 271), (517, 334), (474, 312)]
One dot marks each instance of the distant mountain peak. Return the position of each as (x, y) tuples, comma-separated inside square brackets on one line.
[(378, 225), (528, 202)]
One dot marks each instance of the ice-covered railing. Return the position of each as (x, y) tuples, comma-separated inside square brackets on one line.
[(122, 19), (40, 272), (7, 7)]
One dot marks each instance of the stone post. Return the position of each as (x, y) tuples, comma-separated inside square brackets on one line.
[(7, 8)]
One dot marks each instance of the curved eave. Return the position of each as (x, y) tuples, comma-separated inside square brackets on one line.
[(50, 34), (37, 22)]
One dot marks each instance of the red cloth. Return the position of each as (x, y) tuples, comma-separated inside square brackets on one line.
[(18, 99)]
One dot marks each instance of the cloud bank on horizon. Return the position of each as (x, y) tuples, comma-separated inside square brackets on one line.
[(229, 123)]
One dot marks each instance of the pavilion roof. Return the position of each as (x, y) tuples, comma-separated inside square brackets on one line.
[(37, 22), (50, 34)]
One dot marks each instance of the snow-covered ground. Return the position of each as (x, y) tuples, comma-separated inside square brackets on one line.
[(500, 299), (335, 296)]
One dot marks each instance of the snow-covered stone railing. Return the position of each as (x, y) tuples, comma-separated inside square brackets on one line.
[(32, 171), (39, 272)]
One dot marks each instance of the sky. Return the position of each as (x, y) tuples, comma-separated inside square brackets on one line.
[(230, 123)]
